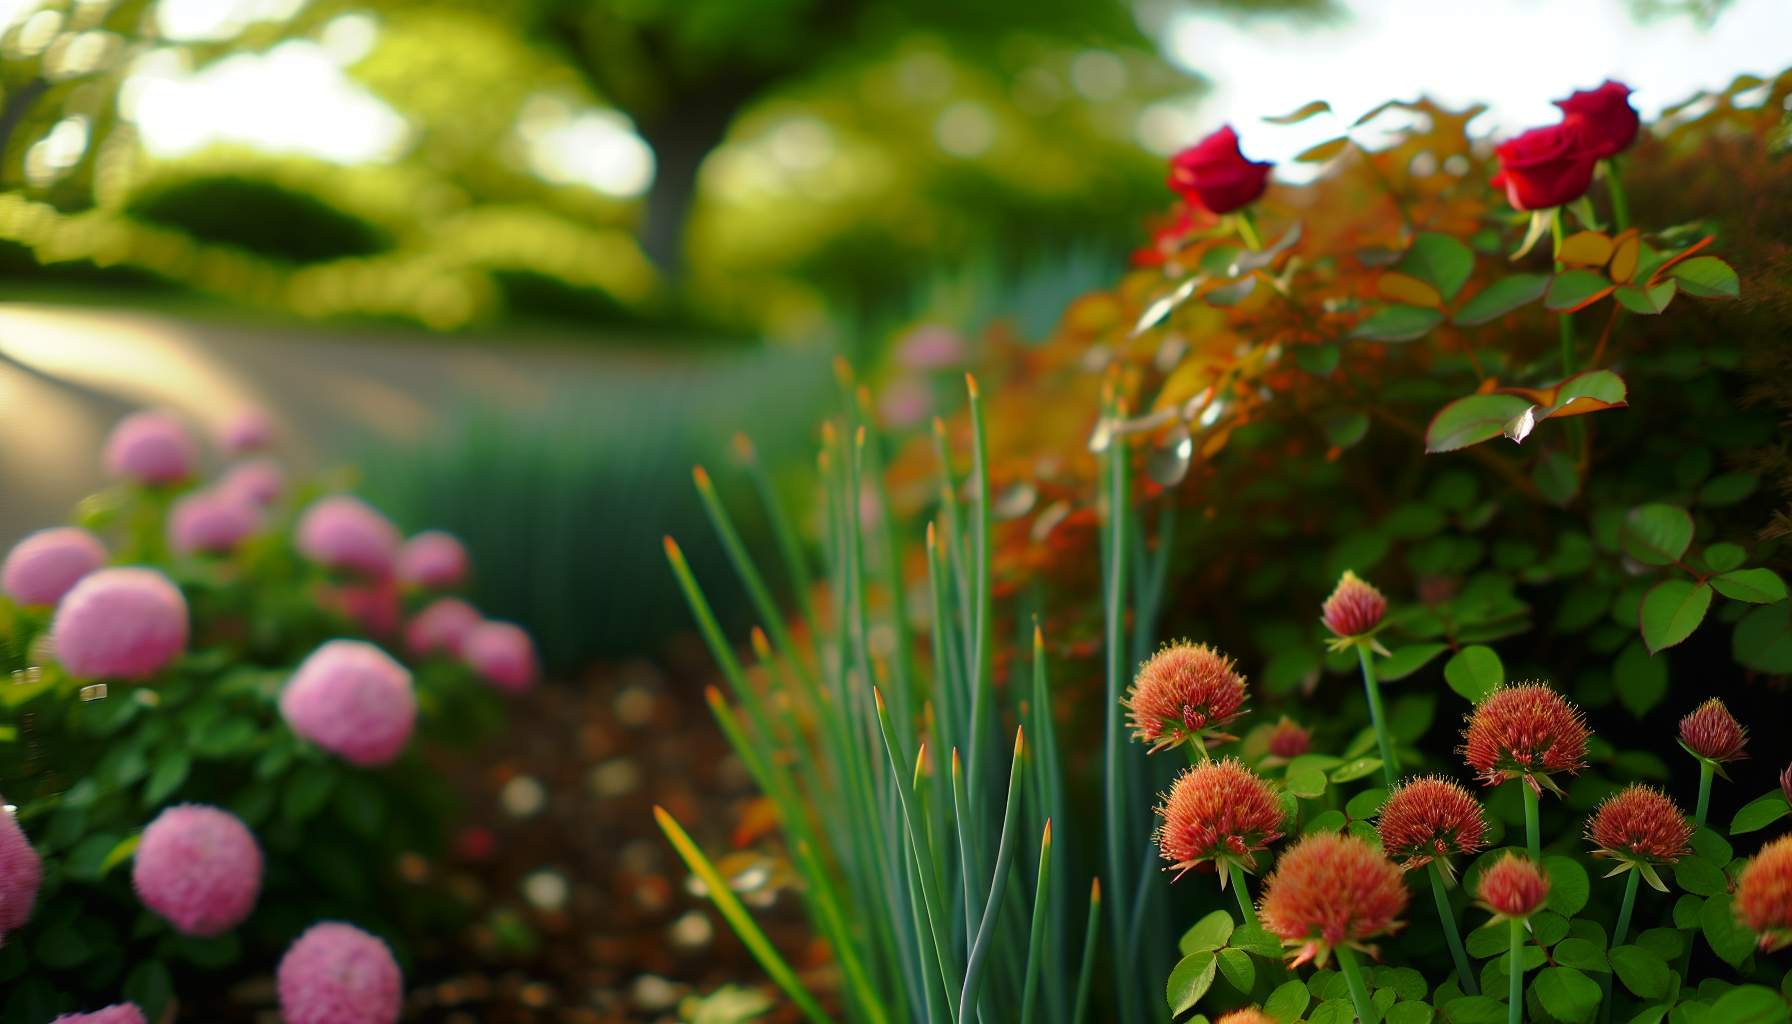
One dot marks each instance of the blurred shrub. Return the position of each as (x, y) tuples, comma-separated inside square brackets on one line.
[(563, 505), (260, 216)]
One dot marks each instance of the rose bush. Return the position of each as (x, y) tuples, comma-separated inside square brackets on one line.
[(204, 749)]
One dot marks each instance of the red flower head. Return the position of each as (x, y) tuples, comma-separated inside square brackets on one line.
[(1545, 167), (1331, 890), (1214, 174), (1183, 691), (1512, 887), (1764, 894), (1289, 739), (1246, 1015), (1354, 609), (1525, 731), (1640, 826), (1217, 811), (1607, 122), (1430, 818), (1712, 733)]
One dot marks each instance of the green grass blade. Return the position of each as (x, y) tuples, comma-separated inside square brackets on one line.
[(783, 531), (737, 917), (982, 652), (1036, 936), (973, 972), (1085, 976)]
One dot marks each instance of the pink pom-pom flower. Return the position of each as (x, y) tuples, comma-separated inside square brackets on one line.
[(21, 872), (248, 431), (1712, 734), (42, 567), (1512, 888), (338, 974), (1764, 895), (1354, 609), (1332, 890), (255, 481), (1428, 819), (151, 448), (1184, 691), (352, 699), (432, 560), (1289, 739), (210, 522), (125, 623), (199, 867), (1525, 731), (1217, 812), (441, 627), (346, 533), (117, 1013), (502, 653)]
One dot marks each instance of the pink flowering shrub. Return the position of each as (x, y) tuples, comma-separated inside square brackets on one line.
[(223, 744)]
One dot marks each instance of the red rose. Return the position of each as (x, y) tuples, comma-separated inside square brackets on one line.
[(1213, 174), (1608, 124), (1545, 167)]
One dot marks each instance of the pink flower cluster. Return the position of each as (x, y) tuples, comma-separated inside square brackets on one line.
[(200, 868), (21, 872)]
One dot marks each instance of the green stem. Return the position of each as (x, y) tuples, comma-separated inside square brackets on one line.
[(1247, 230), (1620, 205), (1036, 934), (1532, 831), (1086, 974), (1359, 992), (1515, 987), (1565, 322), (1390, 764), (1622, 932), (1243, 892), (1452, 935), (1706, 770)]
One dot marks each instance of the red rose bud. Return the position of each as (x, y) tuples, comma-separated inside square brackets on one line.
[(1331, 890), (1215, 175), (1607, 122), (1219, 809), (1525, 730), (1513, 887), (1712, 733), (1545, 167), (1764, 895), (1183, 691), (1288, 739), (1430, 818), (1355, 608), (1639, 825)]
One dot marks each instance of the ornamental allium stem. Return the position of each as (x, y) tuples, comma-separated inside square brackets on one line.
[(1186, 692), (1354, 609), (1640, 827), (1430, 818), (1513, 888), (1712, 734), (1219, 812), (1525, 731), (1332, 891), (1764, 894)]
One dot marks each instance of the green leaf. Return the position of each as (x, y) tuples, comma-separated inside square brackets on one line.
[(89, 857), (1305, 780), (1350, 771), (1409, 1013), (1671, 610), (1325, 821), (1728, 489), (1318, 360), (150, 986), (1700, 877), (1567, 994), (1404, 661), (1641, 680), (1727, 937), (62, 945), (1471, 420), (1475, 1010), (1581, 954), (169, 772), (1574, 288), (1711, 846), (1663, 942), (1238, 968), (1656, 534), (1642, 971), (1440, 261), (1490, 939), (1366, 804), (1759, 813), (1763, 639), (308, 790), (1211, 932), (1474, 672), (1647, 301), (1288, 1002), (1707, 277), (1344, 427), (1722, 557), (1502, 297), (1256, 940), (1190, 980), (1750, 1004), (1568, 885), (1756, 586), (1398, 323)]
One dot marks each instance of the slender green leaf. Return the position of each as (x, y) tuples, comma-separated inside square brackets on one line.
[(1502, 297)]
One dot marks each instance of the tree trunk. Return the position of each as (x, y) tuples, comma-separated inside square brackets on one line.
[(681, 139)]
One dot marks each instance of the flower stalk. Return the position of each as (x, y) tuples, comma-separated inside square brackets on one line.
[(1515, 984), (1359, 992), (1532, 830), (1390, 763), (1452, 935)]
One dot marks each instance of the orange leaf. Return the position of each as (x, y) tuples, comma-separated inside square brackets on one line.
[(1626, 248), (1409, 290), (1324, 151), (1583, 406), (757, 819), (1585, 249)]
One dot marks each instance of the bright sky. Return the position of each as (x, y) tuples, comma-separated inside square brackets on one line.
[(1514, 55)]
